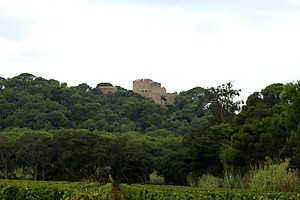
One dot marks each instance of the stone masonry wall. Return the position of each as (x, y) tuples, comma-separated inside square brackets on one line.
[(153, 90)]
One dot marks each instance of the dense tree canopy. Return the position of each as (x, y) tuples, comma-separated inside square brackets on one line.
[(49, 131)]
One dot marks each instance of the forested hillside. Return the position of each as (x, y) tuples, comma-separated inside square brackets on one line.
[(50, 131)]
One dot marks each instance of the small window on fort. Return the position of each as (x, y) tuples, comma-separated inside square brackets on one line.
[(145, 90)]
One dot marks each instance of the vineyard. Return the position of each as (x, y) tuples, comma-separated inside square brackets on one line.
[(155, 192), (19, 190)]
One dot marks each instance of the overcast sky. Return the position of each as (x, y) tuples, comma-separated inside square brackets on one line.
[(179, 43)]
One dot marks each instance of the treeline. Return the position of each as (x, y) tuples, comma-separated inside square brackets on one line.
[(33, 102), (80, 154), (56, 132)]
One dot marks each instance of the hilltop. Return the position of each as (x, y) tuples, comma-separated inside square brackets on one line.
[(204, 130)]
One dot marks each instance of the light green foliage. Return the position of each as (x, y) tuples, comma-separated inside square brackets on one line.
[(233, 181), (23, 173), (274, 177), (155, 179), (209, 182), (269, 177)]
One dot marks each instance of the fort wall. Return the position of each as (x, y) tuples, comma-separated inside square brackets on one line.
[(107, 89), (153, 90)]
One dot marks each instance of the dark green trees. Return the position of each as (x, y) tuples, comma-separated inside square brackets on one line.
[(262, 129), (291, 96), (80, 154), (37, 103), (6, 152), (56, 132)]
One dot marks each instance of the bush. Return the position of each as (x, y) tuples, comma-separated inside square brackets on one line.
[(232, 181), (23, 173), (192, 181), (209, 182), (274, 177), (155, 179)]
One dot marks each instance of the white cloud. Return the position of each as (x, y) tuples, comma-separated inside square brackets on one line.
[(80, 41)]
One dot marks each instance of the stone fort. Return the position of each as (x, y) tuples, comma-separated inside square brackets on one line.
[(153, 90), (148, 89)]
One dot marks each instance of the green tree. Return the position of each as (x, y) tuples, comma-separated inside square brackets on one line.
[(291, 96), (104, 84), (26, 77), (190, 104), (76, 154), (174, 167), (204, 149), (6, 154), (2, 83), (222, 104), (261, 130), (259, 105), (30, 149), (130, 159), (143, 112)]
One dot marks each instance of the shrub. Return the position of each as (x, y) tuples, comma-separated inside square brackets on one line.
[(23, 173), (209, 182), (155, 179), (232, 181), (274, 177), (192, 181)]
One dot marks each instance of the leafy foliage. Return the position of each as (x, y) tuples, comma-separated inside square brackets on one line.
[(53, 190), (181, 192), (49, 131), (274, 177)]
